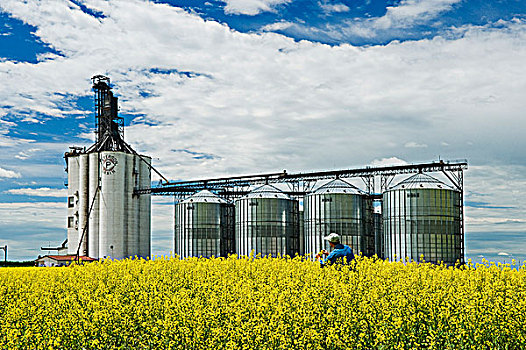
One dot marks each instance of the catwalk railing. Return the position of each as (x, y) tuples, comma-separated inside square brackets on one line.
[(301, 183)]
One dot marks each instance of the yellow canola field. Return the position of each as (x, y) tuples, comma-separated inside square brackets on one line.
[(265, 303)]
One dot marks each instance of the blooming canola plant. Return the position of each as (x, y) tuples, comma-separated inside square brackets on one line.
[(266, 303)]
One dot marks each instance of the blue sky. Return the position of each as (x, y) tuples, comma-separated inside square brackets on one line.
[(214, 88)]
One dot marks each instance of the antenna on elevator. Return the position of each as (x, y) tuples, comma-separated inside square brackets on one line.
[(109, 127)]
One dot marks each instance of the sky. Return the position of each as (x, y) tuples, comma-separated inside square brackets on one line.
[(217, 88)]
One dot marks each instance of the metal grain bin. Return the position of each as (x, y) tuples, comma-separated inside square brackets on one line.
[(113, 219), (302, 233), (204, 226), (342, 208), (267, 222), (422, 218), (378, 235)]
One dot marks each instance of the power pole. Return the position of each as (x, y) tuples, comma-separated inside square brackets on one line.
[(4, 248)]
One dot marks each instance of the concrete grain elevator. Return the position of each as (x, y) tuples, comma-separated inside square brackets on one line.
[(106, 218)]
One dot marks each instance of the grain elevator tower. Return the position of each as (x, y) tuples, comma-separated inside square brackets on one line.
[(105, 218)]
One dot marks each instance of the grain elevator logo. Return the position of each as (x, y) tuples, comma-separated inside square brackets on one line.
[(109, 163)]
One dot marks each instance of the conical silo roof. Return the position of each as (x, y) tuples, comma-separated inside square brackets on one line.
[(204, 196), (267, 191), (421, 181), (338, 186)]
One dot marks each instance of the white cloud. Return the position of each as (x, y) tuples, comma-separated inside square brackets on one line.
[(38, 214), (413, 144), (491, 221), (31, 120), (388, 162), (405, 14), (252, 7), (27, 153), (503, 253), (330, 8), (495, 198), (31, 205), (39, 192), (6, 123), (276, 26), (253, 90), (409, 12), (9, 173)]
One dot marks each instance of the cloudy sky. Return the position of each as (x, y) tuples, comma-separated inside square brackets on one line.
[(214, 88)]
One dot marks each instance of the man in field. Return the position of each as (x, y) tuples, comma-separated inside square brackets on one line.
[(341, 254)]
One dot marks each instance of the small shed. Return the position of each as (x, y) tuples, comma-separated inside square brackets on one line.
[(59, 260)]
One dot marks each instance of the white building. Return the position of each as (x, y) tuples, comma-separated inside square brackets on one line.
[(106, 219), (59, 260)]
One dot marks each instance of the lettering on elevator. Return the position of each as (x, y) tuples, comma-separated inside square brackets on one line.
[(109, 163)]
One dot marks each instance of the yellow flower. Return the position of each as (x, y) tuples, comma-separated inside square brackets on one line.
[(263, 303)]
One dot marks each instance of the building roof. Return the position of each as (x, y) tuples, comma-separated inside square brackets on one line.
[(267, 191), (204, 196), (421, 181), (338, 186), (66, 257)]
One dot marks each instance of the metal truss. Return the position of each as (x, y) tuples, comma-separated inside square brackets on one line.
[(301, 183)]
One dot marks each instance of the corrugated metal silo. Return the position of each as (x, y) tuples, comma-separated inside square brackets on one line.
[(73, 203), (302, 232), (422, 217), (117, 215), (83, 203), (94, 203), (267, 222), (342, 208), (131, 232), (378, 235), (204, 226), (145, 204), (112, 215)]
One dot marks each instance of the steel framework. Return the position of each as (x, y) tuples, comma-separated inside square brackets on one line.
[(301, 183), (109, 128)]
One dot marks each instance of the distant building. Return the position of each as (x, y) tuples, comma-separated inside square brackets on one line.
[(59, 260)]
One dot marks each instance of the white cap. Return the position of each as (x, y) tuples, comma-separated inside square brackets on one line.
[(333, 238)]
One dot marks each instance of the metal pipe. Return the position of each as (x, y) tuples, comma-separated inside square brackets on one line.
[(85, 227), (146, 161)]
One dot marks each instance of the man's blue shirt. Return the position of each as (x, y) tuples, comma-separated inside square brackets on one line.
[(341, 253)]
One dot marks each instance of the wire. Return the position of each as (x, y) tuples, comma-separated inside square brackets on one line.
[(86, 225)]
